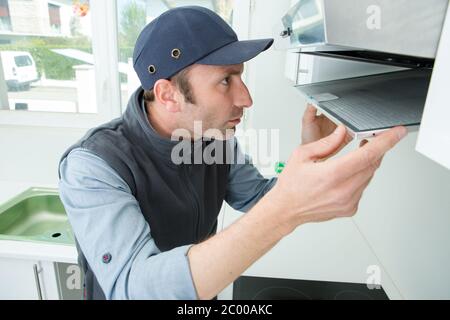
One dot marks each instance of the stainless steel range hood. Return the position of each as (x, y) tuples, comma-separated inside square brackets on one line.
[(404, 33), (398, 32)]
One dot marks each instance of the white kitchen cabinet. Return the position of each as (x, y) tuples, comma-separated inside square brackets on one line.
[(29, 279), (434, 135), (23, 279)]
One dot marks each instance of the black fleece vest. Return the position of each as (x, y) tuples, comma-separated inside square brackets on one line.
[(180, 202)]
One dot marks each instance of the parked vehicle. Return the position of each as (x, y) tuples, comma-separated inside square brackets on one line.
[(19, 69)]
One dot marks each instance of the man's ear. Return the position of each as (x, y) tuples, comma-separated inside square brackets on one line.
[(166, 94)]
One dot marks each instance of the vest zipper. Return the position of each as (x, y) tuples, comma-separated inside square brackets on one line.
[(196, 202)]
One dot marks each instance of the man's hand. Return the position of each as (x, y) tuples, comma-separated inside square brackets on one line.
[(316, 127), (313, 191), (307, 190)]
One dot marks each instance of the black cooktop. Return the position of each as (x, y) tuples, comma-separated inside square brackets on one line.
[(260, 288)]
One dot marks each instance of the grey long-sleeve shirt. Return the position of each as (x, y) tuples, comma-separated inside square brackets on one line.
[(106, 219)]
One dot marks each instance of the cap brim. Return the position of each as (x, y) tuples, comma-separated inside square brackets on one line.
[(236, 52)]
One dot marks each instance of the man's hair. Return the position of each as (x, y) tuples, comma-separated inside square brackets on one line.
[(181, 80)]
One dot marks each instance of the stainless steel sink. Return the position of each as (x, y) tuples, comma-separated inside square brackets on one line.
[(37, 214)]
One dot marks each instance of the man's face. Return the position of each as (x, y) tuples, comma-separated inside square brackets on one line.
[(220, 97)]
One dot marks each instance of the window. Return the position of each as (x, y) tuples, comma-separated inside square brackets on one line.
[(82, 76), (23, 61), (133, 15), (5, 21), (54, 17), (47, 59)]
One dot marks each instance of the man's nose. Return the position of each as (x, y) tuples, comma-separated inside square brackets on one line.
[(243, 98)]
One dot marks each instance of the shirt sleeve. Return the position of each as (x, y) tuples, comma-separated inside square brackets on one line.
[(106, 219), (245, 184)]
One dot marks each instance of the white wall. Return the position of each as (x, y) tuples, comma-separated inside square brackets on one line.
[(276, 104), (31, 154), (404, 215), (28, 17)]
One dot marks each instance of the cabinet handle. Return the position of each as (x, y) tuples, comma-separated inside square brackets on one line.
[(38, 284)]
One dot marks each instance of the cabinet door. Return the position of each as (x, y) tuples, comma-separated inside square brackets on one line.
[(22, 279), (434, 134), (18, 279)]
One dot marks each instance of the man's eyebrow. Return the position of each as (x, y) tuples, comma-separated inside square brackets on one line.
[(233, 71)]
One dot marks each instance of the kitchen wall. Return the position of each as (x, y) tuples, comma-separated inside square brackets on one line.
[(404, 215), (276, 104), (31, 154)]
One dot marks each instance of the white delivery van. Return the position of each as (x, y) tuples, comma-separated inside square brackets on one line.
[(19, 69)]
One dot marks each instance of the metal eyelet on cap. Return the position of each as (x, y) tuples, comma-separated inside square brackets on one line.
[(176, 53), (151, 69)]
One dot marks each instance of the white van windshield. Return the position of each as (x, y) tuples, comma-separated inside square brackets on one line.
[(23, 61)]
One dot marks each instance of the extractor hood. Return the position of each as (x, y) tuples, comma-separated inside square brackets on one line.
[(397, 32)]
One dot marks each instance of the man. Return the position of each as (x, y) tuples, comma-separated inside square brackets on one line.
[(145, 223)]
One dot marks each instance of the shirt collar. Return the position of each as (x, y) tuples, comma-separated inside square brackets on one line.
[(162, 145)]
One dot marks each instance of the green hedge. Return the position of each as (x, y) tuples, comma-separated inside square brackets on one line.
[(56, 66)]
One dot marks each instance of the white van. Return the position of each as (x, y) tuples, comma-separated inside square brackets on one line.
[(19, 69)]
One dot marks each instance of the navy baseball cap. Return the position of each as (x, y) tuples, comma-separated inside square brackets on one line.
[(186, 35)]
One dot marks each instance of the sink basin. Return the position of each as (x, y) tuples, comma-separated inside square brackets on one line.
[(37, 214)]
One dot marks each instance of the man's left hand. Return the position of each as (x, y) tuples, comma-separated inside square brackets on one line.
[(316, 127)]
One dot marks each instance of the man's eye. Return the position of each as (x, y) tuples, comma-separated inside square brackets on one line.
[(226, 81)]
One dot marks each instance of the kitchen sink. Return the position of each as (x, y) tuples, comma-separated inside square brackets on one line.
[(37, 214)]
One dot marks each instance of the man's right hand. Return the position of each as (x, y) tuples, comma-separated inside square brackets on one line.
[(307, 190), (311, 191)]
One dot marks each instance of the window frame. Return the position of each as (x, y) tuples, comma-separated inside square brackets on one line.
[(105, 49), (54, 13)]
